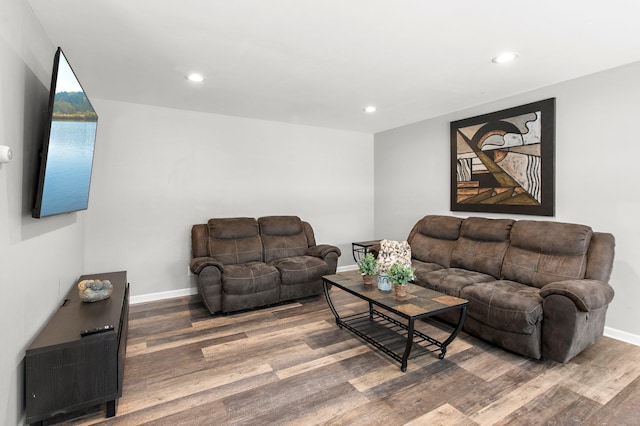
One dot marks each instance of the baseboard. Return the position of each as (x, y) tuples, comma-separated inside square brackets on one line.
[(347, 268), (152, 297), (624, 336)]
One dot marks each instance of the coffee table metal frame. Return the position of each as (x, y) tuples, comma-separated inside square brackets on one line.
[(389, 334)]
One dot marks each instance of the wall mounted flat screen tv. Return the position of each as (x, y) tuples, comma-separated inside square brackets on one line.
[(66, 158)]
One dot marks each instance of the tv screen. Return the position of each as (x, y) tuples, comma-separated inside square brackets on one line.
[(66, 158)]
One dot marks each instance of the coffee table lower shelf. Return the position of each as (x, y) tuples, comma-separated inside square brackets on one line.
[(390, 336)]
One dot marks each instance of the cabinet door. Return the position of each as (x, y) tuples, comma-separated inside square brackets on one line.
[(63, 379)]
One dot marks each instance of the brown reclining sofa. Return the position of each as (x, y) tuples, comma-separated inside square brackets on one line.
[(537, 288), (244, 263)]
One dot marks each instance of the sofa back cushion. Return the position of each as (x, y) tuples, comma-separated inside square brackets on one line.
[(433, 238), (235, 240), (482, 245), (282, 236), (542, 252)]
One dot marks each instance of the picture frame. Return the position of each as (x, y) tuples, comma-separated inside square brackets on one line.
[(504, 161)]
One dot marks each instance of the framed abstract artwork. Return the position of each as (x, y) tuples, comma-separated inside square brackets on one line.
[(503, 162)]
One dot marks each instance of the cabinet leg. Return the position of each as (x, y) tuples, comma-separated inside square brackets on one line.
[(111, 408)]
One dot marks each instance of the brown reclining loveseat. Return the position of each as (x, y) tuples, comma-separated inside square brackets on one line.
[(243, 263)]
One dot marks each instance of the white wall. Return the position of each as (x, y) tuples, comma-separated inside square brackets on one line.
[(597, 151), (158, 171), (39, 259)]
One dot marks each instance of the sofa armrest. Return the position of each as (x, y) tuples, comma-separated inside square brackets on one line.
[(322, 250), (587, 295), (197, 264)]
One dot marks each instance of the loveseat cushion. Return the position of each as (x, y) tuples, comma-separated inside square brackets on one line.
[(505, 305), (300, 269), (249, 278), (282, 236), (235, 240), (433, 238), (543, 252), (451, 281), (482, 245)]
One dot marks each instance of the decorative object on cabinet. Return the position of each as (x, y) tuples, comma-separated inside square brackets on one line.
[(94, 290)]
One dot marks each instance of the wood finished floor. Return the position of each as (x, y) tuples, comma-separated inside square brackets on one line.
[(291, 365)]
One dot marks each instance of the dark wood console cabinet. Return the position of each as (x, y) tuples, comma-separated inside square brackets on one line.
[(66, 372)]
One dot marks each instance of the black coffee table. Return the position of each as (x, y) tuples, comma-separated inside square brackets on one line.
[(389, 333)]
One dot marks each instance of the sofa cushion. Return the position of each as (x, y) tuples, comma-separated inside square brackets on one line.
[(432, 250), (423, 268), (544, 252), (433, 238), (248, 278), (300, 269), (235, 240), (505, 305), (282, 236), (440, 227), (483, 229), (567, 239), (482, 245), (452, 280)]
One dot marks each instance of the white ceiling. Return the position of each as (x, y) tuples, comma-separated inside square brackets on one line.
[(320, 62)]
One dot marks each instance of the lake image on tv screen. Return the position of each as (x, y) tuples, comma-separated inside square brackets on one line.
[(68, 153), (69, 162)]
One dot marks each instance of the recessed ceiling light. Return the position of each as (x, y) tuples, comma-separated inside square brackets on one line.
[(195, 77), (370, 109), (503, 58)]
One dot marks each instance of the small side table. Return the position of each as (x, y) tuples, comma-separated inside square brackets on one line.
[(361, 248)]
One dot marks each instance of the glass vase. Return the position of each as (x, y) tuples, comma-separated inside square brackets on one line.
[(384, 284)]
